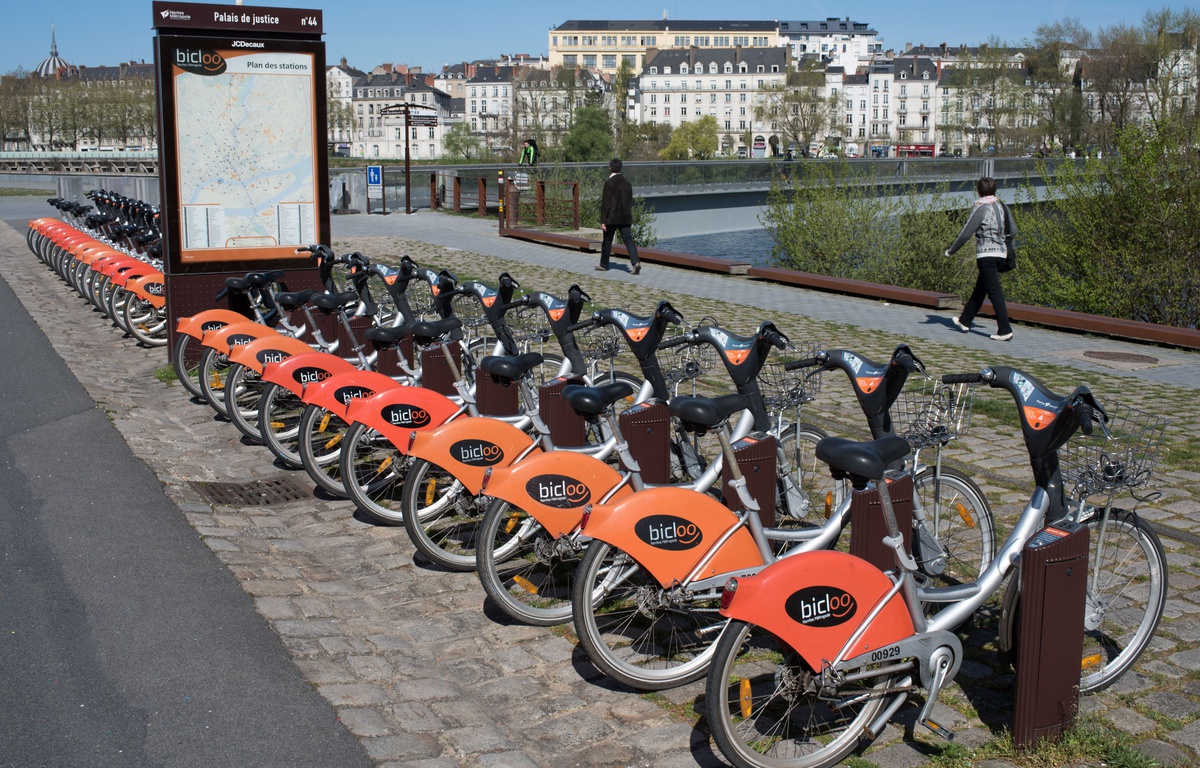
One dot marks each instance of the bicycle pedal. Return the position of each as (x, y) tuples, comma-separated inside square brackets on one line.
[(938, 728)]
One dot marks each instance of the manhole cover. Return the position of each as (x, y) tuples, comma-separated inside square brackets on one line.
[(260, 493), (1120, 357)]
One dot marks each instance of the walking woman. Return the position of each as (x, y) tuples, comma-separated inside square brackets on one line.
[(989, 222)]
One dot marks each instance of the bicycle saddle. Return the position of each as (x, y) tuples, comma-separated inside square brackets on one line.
[(295, 299), (264, 278), (388, 336), (428, 330), (331, 302), (593, 401), (861, 461), (706, 412), (510, 367)]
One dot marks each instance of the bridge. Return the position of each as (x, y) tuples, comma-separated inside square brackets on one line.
[(693, 198)]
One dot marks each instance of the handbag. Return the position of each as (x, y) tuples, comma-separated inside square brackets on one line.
[(1010, 248)]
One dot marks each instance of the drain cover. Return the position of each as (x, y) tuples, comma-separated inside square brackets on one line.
[(1120, 357), (260, 493)]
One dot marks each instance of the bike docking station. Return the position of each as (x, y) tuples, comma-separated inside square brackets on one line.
[(1052, 589), (243, 168)]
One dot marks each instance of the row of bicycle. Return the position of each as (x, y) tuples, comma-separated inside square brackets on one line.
[(591, 495)]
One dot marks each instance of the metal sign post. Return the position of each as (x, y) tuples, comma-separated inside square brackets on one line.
[(375, 187), (410, 121)]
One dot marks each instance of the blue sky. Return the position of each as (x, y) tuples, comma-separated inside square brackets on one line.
[(430, 34)]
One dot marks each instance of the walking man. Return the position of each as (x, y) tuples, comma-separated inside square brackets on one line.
[(616, 214), (990, 221)]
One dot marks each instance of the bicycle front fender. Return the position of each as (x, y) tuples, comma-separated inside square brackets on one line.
[(150, 288), (815, 601), (127, 272), (262, 352), (397, 411), (555, 487), (466, 447), (236, 335), (336, 393), (111, 266), (670, 531), (298, 371)]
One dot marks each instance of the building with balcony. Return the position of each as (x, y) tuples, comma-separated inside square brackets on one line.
[(840, 42), (604, 45)]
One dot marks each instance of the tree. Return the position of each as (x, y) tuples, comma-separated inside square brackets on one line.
[(1056, 101), (1112, 73), (15, 110), (1170, 40), (991, 86), (692, 141), (459, 141), (643, 141), (798, 108), (590, 136)]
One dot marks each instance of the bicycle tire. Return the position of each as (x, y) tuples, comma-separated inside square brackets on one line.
[(243, 390), (527, 574), (373, 471), (636, 632), (441, 518), (185, 359), (279, 413), (960, 522), (764, 712), (147, 323), (1127, 595), (116, 307), (212, 375), (798, 467), (319, 443)]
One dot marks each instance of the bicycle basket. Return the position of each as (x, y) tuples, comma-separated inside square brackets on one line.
[(686, 362), (600, 343), (469, 310), (930, 413), (528, 324), (1098, 464), (782, 389)]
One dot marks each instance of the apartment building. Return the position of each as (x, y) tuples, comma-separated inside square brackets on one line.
[(378, 133), (840, 42), (604, 45)]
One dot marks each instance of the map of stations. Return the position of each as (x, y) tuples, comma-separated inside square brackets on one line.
[(246, 153)]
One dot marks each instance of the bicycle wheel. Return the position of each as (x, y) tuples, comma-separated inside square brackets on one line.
[(804, 489), (185, 359), (116, 307), (958, 538), (214, 369), (440, 517), (147, 323), (279, 412), (528, 574), (766, 710), (373, 471), (243, 390), (635, 631), (319, 443), (1126, 595)]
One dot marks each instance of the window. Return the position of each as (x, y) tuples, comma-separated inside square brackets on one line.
[(648, 41), (589, 39), (589, 60), (850, 104), (682, 41), (653, 71), (570, 60), (861, 105), (628, 40), (683, 68), (609, 61), (712, 70), (903, 90)]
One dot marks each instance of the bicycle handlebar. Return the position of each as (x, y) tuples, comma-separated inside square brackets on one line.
[(521, 302), (581, 325), (964, 378), (807, 362), (675, 342)]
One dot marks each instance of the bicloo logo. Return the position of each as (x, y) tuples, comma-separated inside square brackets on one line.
[(200, 62), (405, 415), (821, 606), (477, 453), (211, 325), (310, 375), (354, 392), (155, 289), (558, 491), (668, 532), (268, 356), (240, 340)]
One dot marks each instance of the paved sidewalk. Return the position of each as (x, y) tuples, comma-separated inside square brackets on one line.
[(425, 676)]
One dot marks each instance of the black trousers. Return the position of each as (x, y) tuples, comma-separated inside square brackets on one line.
[(626, 237), (988, 285)]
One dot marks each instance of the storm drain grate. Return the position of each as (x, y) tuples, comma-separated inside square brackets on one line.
[(260, 493), (1120, 357)]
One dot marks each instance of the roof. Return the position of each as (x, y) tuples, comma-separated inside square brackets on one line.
[(51, 65), (493, 75), (673, 57), (666, 25), (830, 26)]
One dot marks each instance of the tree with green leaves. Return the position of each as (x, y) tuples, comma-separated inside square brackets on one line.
[(459, 141), (798, 108), (590, 136), (695, 140)]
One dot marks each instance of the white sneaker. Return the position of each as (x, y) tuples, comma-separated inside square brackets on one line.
[(961, 327), (1002, 336)]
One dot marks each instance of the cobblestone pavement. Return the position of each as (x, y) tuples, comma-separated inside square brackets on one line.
[(425, 675)]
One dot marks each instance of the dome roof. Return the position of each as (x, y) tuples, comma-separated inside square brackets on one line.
[(51, 65)]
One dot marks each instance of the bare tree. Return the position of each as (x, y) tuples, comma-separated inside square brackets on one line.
[(798, 108)]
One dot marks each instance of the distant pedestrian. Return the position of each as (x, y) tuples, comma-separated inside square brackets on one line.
[(616, 214), (529, 153), (989, 222)]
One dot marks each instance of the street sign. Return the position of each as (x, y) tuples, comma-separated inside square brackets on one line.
[(423, 120), (374, 175)]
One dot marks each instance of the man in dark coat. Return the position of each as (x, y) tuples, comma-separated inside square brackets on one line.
[(616, 214)]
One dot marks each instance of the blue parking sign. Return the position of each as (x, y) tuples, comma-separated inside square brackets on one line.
[(374, 175)]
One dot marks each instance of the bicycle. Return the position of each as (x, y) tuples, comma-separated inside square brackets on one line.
[(823, 648)]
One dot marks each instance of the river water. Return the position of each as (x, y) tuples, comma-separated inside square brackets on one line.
[(750, 246)]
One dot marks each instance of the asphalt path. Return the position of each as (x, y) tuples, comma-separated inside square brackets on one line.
[(123, 640)]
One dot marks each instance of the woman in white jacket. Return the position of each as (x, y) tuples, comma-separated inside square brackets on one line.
[(988, 222)]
